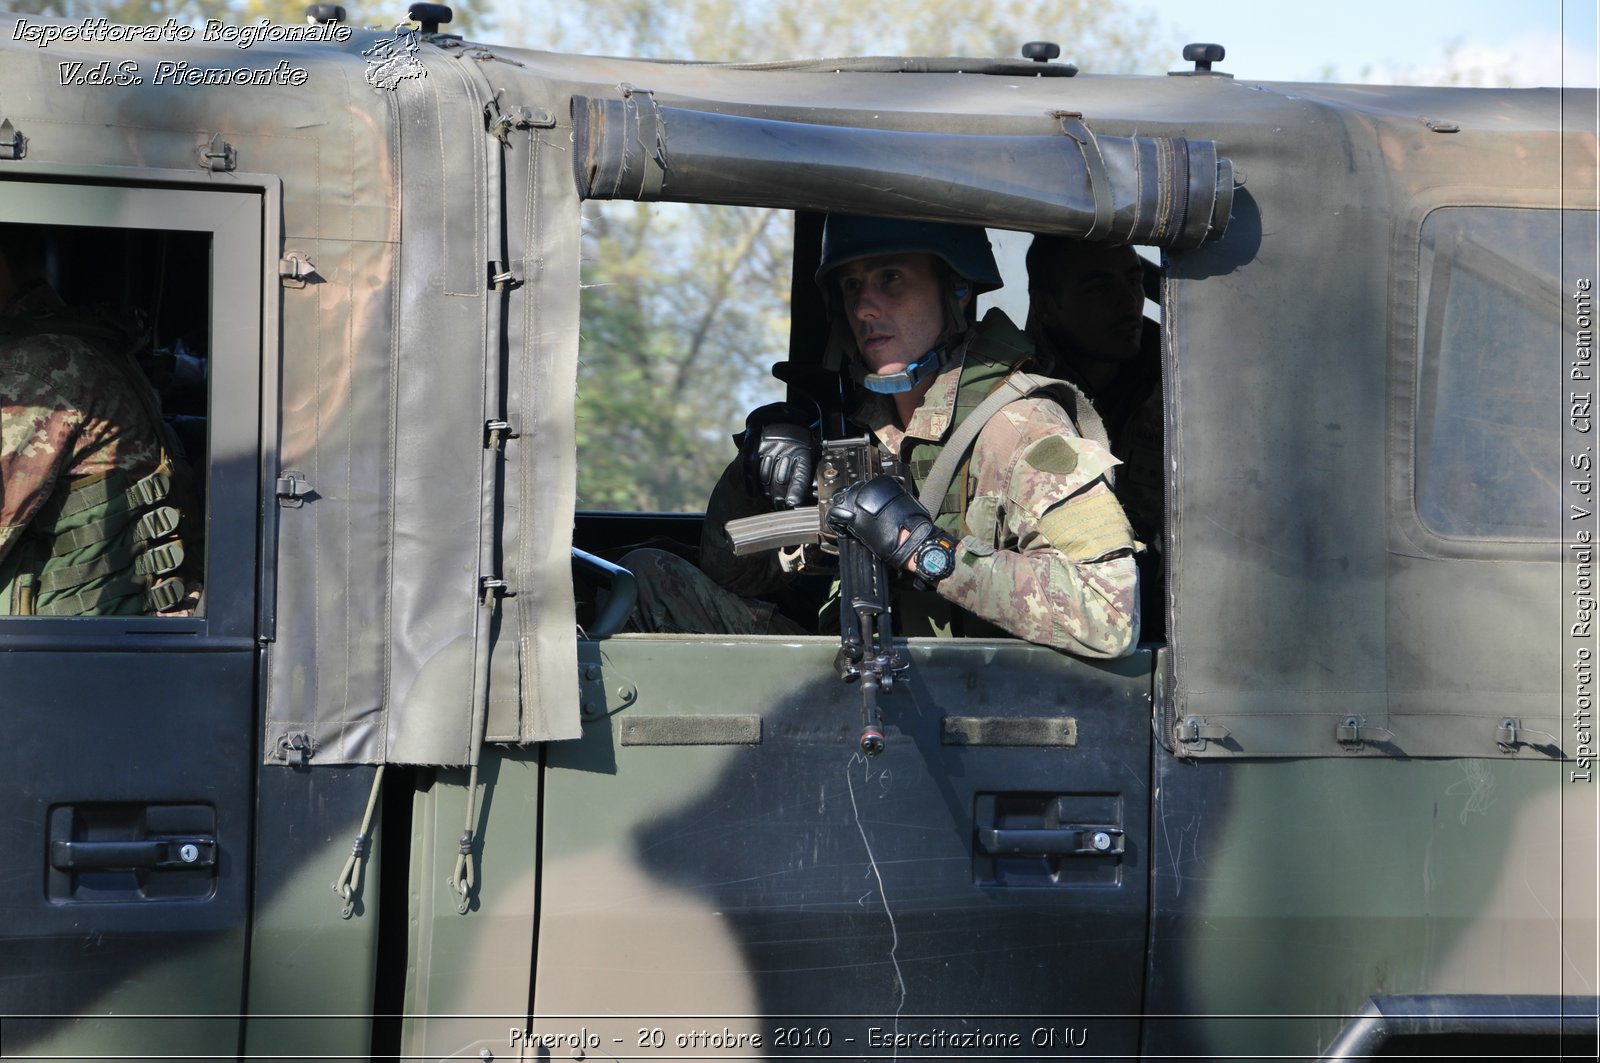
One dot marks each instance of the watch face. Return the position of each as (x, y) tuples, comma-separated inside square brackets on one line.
[(935, 561)]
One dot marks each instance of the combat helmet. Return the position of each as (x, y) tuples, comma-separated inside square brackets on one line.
[(963, 248)]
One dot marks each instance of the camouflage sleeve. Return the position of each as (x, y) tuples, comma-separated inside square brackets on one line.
[(63, 413), (749, 577), (36, 434), (1047, 554)]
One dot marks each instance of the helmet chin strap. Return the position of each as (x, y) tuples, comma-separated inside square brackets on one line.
[(903, 381)]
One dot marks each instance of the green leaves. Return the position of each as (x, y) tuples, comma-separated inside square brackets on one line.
[(684, 310)]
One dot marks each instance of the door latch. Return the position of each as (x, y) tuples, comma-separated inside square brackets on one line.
[(126, 854), (1065, 840)]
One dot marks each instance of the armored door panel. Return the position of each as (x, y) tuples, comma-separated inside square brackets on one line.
[(127, 743), (721, 862)]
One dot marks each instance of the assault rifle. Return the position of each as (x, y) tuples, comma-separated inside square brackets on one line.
[(866, 633)]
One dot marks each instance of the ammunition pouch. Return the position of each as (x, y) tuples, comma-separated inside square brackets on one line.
[(102, 547)]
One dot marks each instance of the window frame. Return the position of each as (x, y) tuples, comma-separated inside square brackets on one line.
[(1409, 531), (239, 329)]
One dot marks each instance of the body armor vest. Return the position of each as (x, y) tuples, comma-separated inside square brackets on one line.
[(992, 352)]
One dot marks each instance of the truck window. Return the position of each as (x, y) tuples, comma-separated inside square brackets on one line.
[(1489, 325), (144, 471), (685, 309)]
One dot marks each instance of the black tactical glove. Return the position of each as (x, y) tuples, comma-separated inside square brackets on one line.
[(875, 511), (779, 453)]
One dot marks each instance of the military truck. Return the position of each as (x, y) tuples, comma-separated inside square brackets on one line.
[(1345, 806)]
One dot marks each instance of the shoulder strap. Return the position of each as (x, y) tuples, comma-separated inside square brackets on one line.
[(1018, 385)]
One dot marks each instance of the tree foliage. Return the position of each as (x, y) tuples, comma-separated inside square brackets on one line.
[(684, 309)]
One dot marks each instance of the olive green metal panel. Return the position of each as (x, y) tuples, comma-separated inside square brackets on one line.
[(719, 857), (470, 973), (312, 970), (1289, 892)]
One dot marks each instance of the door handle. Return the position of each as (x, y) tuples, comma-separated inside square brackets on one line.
[(1073, 840), (127, 854)]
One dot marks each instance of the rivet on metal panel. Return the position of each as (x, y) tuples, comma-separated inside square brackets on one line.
[(13, 145), (592, 693), (627, 693)]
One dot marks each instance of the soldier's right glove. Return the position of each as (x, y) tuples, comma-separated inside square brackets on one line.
[(874, 512), (779, 453)]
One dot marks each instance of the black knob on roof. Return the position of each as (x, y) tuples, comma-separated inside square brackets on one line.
[(1041, 51), (428, 16), (1203, 55), (322, 14)]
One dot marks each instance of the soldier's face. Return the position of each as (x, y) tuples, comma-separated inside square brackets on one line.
[(1097, 307), (895, 306)]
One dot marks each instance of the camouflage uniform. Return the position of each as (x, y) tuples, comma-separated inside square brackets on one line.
[(1130, 405), (1045, 552), (68, 416)]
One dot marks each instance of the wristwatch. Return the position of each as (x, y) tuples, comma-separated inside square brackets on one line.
[(935, 558)]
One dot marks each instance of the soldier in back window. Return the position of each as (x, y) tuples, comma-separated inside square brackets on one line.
[(89, 523), (1086, 319)]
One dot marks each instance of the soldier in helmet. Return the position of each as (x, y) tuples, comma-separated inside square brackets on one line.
[(87, 524), (1040, 548), (1086, 318)]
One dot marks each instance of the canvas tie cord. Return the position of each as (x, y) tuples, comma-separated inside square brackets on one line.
[(349, 880)]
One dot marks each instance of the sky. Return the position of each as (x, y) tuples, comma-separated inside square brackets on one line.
[(1521, 43)]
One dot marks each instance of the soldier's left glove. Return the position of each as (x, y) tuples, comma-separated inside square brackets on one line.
[(875, 512), (779, 455)]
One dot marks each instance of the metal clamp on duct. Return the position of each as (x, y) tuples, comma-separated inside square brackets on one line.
[(1163, 191)]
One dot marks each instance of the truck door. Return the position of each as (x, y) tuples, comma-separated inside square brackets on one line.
[(718, 855), (127, 744)]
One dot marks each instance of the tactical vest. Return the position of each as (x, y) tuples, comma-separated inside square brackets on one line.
[(991, 354), (103, 545)]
